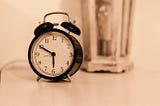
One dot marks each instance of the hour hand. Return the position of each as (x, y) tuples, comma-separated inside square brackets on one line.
[(45, 49)]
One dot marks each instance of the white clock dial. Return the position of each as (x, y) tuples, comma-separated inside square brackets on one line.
[(52, 54)]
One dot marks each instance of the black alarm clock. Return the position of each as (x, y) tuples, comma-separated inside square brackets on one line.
[(54, 53)]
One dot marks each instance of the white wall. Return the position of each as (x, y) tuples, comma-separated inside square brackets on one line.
[(20, 17), (146, 35)]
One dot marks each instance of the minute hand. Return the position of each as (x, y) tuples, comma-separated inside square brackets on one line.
[(53, 61), (45, 49)]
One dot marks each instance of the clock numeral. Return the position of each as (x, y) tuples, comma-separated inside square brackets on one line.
[(39, 62), (70, 54), (45, 68), (67, 63), (54, 37), (36, 54), (46, 40), (53, 72), (62, 69)]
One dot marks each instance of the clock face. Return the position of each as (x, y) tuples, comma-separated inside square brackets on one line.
[(51, 54)]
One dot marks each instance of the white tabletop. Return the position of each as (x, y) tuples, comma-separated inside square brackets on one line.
[(139, 87)]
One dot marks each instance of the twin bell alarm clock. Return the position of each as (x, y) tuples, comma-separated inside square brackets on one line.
[(54, 53)]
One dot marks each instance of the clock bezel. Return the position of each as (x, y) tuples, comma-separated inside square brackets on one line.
[(63, 75)]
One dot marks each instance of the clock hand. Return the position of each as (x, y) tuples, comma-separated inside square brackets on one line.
[(45, 49), (52, 54), (53, 61)]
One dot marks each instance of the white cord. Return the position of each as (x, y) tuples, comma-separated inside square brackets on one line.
[(8, 64)]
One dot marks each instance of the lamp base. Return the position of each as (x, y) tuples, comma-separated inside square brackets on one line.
[(107, 66)]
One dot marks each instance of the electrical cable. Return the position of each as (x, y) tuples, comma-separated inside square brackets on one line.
[(7, 64)]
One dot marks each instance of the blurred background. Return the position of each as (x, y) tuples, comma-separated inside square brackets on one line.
[(19, 19)]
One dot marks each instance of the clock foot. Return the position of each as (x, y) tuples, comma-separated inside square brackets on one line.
[(38, 78), (69, 77)]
